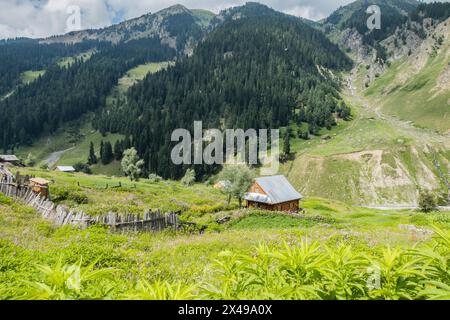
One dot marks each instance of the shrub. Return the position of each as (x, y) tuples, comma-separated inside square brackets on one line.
[(315, 271), (189, 178), (30, 161), (160, 291), (60, 194), (427, 202), (67, 282), (154, 178), (82, 167)]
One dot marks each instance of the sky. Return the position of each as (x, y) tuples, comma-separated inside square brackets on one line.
[(42, 18)]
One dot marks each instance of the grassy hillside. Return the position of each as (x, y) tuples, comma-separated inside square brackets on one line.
[(29, 76), (67, 61), (69, 146), (369, 161), (387, 153), (373, 159), (135, 75), (99, 194), (417, 88), (218, 264)]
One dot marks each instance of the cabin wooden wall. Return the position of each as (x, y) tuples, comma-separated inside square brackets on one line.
[(291, 206)]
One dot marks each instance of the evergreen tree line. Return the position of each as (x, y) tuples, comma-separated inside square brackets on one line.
[(65, 94), (250, 73), (108, 152), (436, 10)]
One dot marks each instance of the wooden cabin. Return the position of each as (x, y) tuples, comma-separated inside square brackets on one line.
[(9, 159), (273, 193), (39, 186)]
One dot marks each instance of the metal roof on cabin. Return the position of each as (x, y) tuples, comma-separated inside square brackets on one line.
[(278, 190), (65, 168), (8, 157), (257, 197)]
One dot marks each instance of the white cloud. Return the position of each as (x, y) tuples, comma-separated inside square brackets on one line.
[(43, 18), (307, 12)]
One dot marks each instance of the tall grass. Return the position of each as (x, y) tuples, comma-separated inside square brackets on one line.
[(307, 270), (314, 271)]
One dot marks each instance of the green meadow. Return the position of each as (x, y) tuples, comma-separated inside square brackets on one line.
[(29, 76), (326, 252)]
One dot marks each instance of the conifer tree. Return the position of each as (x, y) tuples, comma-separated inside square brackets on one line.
[(118, 150), (92, 159), (107, 155)]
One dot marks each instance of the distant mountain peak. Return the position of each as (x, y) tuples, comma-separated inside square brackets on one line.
[(175, 9)]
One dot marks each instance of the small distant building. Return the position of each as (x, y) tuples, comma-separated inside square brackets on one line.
[(222, 185), (9, 158), (65, 168), (39, 185), (273, 193)]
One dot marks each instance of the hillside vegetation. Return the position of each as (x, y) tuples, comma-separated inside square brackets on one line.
[(400, 106), (254, 68), (417, 88), (98, 195), (247, 73), (329, 252)]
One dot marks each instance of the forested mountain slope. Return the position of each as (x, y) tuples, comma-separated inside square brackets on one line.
[(250, 67), (65, 93), (18, 56), (259, 72)]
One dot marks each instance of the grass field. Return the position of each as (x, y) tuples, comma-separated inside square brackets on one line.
[(30, 76), (367, 161), (98, 194), (138, 73), (326, 253), (133, 76), (67, 61), (75, 138)]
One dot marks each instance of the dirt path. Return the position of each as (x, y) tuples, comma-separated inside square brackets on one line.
[(55, 156)]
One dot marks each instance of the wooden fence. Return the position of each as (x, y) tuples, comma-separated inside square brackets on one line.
[(61, 215)]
